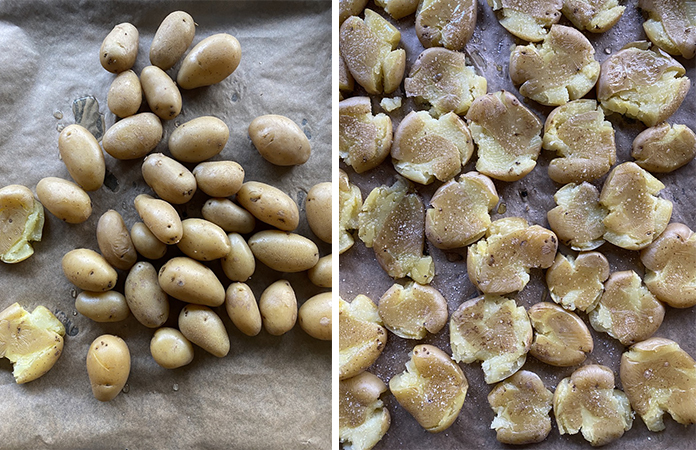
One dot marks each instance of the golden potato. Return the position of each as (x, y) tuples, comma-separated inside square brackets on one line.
[(239, 264), (147, 243), (219, 178), (578, 220), (172, 38), (315, 316), (362, 417), (445, 23), (209, 62), (160, 92), (119, 49), (318, 210), (671, 25), (349, 206), (664, 147), (269, 204), (125, 94), (170, 349), (108, 366), (278, 307), (88, 270), (203, 327), (527, 20), (114, 241), (133, 137), (64, 199), (198, 139), (280, 140), (83, 157), (109, 306), (412, 311), (364, 139), (361, 336), (241, 307), (321, 273), (147, 301), (595, 16), (203, 240), (283, 251), (229, 216), (160, 218), (190, 281), (561, 338), (577, 283), (171, 180)]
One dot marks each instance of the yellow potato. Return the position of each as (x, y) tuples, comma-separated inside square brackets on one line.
[(133, 137), (190, 281), (88, 270), (119, 49), (161, 93), (170, 179), (108, 366), (203, 240), (21, 221), (82, 155), (279, 140), (219, 178), (64, 199), (242, 308), (239, 264), (204, 328), (320, 274), (278, 306), (160, 217), (125, 94), (170, 348), (210, 61), (146, 299), (284, 252), (109, 306), (198, 139), (172, 39), (315, 316), (318, 210), (114, 241), (269, 204), (228, 215), (147, 243)]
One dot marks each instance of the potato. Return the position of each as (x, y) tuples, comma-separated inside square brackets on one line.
[(577, 283), (228, 215), (125, 94), (172, 38), (413, 310), (561, 338), (320, 274), (108, 366), (347, 8), (528, 20), (146, 299), (578, 220), (170, 179), (119, 49), (242, 308), (269, 204), (109, 306), (279, 140), (592, 15), (200, 325), (211, 60), (361, 336), (203, 240), (170, 348), (190, 281), (239, 264), (364, 139), (318, 210), (278, 307), (21, 222), (82, 155), (398, 9), (64, 199), (283, 251), (664, 147), (219, 178), (114, 241), (147, 243), (349, 206), (160, 217), (315, 316), (363, 418), (88, 270), (133, 137), (446, 23), (198, 139), (671, 26), (161, 93)]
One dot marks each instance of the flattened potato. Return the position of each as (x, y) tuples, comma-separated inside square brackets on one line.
[(527, 19), (362, 417), (21, 222), (446, 23), (577, 283), (364, 139), (561, 338), (664, 148), (578, 218), (349, 206), (671, 25), (412, 311), (361, 336), (595, 16)]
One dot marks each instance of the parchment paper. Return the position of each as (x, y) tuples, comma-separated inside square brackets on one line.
[(531, 198), (269, 392)]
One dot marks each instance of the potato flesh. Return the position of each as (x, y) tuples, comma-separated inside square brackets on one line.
[(561, 338), (398, 8), (21, 222), (528, 20), (578, 218), (664, 148), (364, 139), (363, 419), (595, 16), (671, 25), (413, 311), (577, 283), (446, 23), (349, 205), (361, 336)]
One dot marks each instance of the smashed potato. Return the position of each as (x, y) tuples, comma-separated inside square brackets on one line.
[(349, 205), (361, 336), (412, 311), (398, 9), (578, 218), (595, 16), (587, 402), (425, 148), (583, 140), (508, 136), (446, 23), (21, 222), (527, 19), (561, 69), (659, 376), (363, 419), (561, 338), (522, 405), (432, 389), (636, 214), (364, 139), (32, 342), (459, 211), (577, 283), (493, 330), (392, 222), (671, 25), (369, 50), (642, 83), (500, 263), (347, 8), (442, 79), (345, 79), (664, 148)]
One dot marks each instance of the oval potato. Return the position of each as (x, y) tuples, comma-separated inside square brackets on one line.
[(320, 274), (278, 307), (170, 348), (147, 243), (198, 139), (229, 216), (315, 316), (219, 178), (204, 328), (146, 299), (64, 199), (190, 281), (170, 179), (203, 240), (279, 140), (88, 270), (119, 49), (108, 366), (109, 306), (160, 217), (269, 204), (318, 210), (284, 252), (133, 137), (114, 241), (161, 93), (125, 94), (210, 61), (172, 38), (242, 308), (239, 264), (82, 155)]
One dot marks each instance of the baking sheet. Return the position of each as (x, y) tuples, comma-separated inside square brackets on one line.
[(530, 197), (269, 392)]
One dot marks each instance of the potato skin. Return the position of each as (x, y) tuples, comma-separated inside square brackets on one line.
[(146, 299), (219, 178), (228, 215), (88, 270), (279, 140), (190, 281), (125, 94), (315, 316), (203, 240), (198, 139), (109, 306), (170, 179), (242, 308), (278, 306), (172, 38), (133, 137), (210, 61), (160, 218), (108, 366), (269, 204), (147, 243), (239, 264), (160, 92), (204, 328), (114, 241), (318, 210), (320, 274), (170, 348), (64, 199), (82, 155), (284, 252), (119, 49)]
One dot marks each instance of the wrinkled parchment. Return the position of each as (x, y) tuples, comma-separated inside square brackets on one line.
[(269, 392), (531, 197)]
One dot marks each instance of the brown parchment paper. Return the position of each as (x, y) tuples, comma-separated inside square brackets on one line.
[(530, 197), (269, 392)]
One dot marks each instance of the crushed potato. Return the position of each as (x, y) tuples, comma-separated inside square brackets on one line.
[(664, 147), (595, 16), (412, 311), (363, 419), (577, 283), (21, 222), (528, 20), (561, 338), (361, 335), (349, 205), (364, 139), (445, 23), (578, 220), (671, 25)]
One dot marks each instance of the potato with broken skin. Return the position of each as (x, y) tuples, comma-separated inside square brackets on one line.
[(442, 79), (21, 222), (659, 376), (392, 223), (595, 16), (398, 9), (446, 23), (347, 8), (459, 211), (425, 149), (349, 206), (664, 147), (432, 388), (362, 417), (587, 402), (671, 25), (642, 83), (508, 136), (577, 283), (583, 141), (636, 214), (364, 139), (561, 338), (500, 263), (493, 330), (522, 404), (369, 50), (361, 336), (578, 218), (32, 342), (527, 19), (412, 311)]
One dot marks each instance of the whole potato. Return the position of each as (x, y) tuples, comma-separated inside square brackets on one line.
[(108, 366), (64, 199), (219, 178), (315, 316), (161, 93), (125, 94), (318, 208), (228, 215), (160, 217), (133, 137), (190, 281), (203, 240), (198, 139), (172, 38), (242, 308), (269, 204), (147, 243), (170, 179), (284, 252), (88, 270), (321, 273), (170, 348), (82, 155), (109, 306), (239, 264), (210, 61), (119, 49), (204, 328), (279, 140), (278, 307), (114, 241), (146, 299)]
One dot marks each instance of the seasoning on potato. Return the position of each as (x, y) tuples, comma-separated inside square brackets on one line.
[(278, 307), (315, 316), (242, 308), (88, 270), (21, 222), (119, 49), (210, 61), (64, 199), (147, 301), (161, 93), (363, 418), (595, 17), (114, 241), (108, 366), (190, 281), (219, 178), (83, 157), (109, 306), (160, 218), (445, 23), (279, 140), (202, 326), (269, 204), (283, 251), (133, 137), (577, 283), (361, 335), (125, 94), (172, 38), (198, 139), (413, 310), (349, 206), (170, 348), (561, 338), (364, 139)]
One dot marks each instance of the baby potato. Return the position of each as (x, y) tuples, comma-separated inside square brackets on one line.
[(172, 38), (21, 221), (190, 281), (170, 179), (64, 199), (119, 49), (198, 139), (109, 306), (364, 139), (219, 178), (320, 274), (170, 349), (228, 215), (279, 140), (446, 23), (318, 210), (278, 307), (239, 264), (210, 61), (82, 155), (125, 94), (203, 240), (269, 204), (284, 252), (349, 206), (114, 241), (133, 137), (161, 93), (242, 308), (147, 243), (146, 299), (200, 325), (362, 337), (108, 366), (160, 217), (88, 270), (315, 316)]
